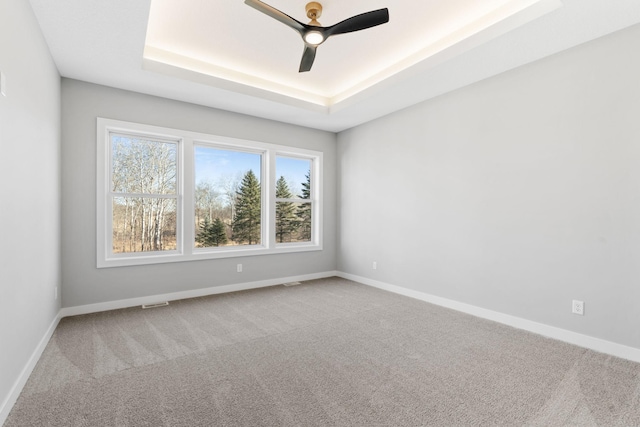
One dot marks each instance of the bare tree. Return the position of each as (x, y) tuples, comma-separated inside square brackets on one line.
[(143, 180)]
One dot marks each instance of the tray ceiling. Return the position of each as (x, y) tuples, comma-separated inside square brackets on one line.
[(228, 55)]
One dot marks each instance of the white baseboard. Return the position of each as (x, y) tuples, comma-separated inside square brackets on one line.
[(581, 340), (586, 341), (11, 399), (132, 302)]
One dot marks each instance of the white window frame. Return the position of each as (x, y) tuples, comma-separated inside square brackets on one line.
[(185, 196)]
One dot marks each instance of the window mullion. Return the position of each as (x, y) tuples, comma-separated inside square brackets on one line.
[(294, 200), (315, 195), (270, 206), (144, 195), (188, 196)]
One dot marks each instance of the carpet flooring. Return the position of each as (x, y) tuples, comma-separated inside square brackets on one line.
[(327, 352)]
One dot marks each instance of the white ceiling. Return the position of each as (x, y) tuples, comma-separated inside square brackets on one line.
[(225, 54)]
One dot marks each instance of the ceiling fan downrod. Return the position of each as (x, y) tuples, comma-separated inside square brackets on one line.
[(314, 11)]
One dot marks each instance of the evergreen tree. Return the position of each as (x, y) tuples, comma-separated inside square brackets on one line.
[(286, 218), (304, 211), (246, 222), (204, 235), (218, 232), (212, 233)]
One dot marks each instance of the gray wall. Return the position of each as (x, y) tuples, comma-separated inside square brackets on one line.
[(516, 194), (29, 190), (83, 283)]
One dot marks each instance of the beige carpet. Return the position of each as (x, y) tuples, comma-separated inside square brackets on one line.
[(323, 353)]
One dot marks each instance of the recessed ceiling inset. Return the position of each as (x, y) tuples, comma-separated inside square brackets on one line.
[(236, 49)]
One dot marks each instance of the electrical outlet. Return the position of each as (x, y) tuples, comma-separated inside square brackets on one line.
[(3, 84), (55, 293), (239, 268), (374, 265), (577, 307)]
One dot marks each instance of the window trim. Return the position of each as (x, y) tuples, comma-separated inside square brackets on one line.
[(185, 196)]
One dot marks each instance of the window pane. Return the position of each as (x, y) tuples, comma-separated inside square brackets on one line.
[(293, 219), (143, 166), (144, 224), (228, 205), (293, 178), (293, 222)]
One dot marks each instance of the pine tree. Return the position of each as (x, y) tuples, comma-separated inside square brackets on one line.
[(286, 218), (204, 236), (218, 232), (212, 233), (246, 222), (304, 211)]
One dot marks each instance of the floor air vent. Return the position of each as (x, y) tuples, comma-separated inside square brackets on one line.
[(158, 304)]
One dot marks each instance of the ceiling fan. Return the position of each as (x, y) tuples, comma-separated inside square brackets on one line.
[(313, 34)]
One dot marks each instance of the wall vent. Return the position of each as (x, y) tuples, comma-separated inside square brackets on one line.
[(158, 304), (292, 283)]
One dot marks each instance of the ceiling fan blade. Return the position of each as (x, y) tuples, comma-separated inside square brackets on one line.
[(359, 22), (307, 58), (276, 14)]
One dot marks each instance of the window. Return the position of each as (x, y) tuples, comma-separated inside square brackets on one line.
[(142, 198), (167, 195), (228, 197), (294, 204)]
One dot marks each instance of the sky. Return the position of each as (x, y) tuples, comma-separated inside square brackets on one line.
[(215, 165), (294, 171)]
